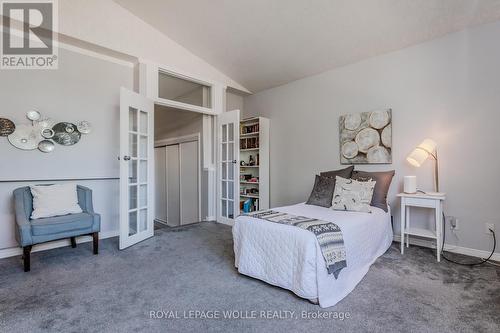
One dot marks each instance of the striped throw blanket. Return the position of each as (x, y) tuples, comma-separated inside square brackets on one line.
[(328, 234)]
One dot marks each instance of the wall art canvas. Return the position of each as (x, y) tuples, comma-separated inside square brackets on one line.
[(366, 137)]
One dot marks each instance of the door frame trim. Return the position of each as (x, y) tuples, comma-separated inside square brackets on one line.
[(147, 85), (179, 139)]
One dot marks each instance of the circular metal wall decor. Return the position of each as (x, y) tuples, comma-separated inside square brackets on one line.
[(48, 133), (7, 127), (42, 133), (33, 115), (25, 137), (66, 134), (44, 123), (46, 146), (84, 127), (70, 128)]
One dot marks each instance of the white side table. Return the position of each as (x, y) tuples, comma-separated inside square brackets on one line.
[(434, 201)]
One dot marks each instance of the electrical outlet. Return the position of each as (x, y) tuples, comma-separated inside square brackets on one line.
[(453, 221), (487, 227)]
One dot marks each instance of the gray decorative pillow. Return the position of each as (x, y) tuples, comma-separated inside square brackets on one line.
[(352, 195), (383, 179), (322, 192), (344, 173)]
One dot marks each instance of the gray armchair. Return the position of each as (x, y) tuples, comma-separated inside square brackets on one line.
[(30, 232)]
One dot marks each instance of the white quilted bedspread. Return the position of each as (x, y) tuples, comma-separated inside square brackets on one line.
[(290, 257)]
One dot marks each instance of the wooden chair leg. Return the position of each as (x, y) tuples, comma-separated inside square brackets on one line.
[(73, 242), (26, 258), (95, 237)]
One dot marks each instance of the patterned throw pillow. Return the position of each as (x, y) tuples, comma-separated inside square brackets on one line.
[(352, 195), (322, 192), (383, 179)]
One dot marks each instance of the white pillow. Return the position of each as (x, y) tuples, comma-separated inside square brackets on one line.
[(352, 195), (54, 200)]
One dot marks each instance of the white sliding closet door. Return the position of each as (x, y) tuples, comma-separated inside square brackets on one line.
[(189, 166), (178, 183), (160, 184), (173, 185)]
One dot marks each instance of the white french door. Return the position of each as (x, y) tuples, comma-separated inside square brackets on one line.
[(228, 160), (136, 168)]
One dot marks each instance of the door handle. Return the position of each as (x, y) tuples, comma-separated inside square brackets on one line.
[(126, 158), (234, 161)]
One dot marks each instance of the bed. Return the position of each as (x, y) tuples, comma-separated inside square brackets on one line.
[(290, 257)]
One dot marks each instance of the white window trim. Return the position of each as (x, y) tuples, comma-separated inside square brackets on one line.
[(148, 86)]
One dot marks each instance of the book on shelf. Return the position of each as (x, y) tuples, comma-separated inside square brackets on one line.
[(248, 129), (249, 143)]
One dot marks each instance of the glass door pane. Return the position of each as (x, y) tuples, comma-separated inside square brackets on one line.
[(138, 203), (228, 166), (133, 170), (230, 171), (132, 223), (225, 167)]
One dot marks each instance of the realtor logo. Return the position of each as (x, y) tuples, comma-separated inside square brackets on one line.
[(28, 34)]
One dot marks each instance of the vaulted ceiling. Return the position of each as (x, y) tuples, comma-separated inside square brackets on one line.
[(266, 43)]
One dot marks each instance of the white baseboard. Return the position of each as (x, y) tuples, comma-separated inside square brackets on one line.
[(16, 251), (452, 248), (210, 218)]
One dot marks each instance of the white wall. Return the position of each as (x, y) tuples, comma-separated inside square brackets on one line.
[(234, 101), (447, 89), (172, 123), (83, 88)]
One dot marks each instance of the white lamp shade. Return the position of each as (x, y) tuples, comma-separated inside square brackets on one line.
[(421, 153)]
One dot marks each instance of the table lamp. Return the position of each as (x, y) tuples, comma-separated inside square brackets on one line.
[(420, 154)]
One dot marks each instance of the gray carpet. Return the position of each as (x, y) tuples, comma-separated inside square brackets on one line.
[(191, 268)]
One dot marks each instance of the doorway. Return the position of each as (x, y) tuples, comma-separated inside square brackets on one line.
[(166, 99), (181, 190)]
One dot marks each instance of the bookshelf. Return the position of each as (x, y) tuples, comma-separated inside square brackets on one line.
[(254, 164)]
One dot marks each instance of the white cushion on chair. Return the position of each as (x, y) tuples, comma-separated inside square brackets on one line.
[(54, 200)]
